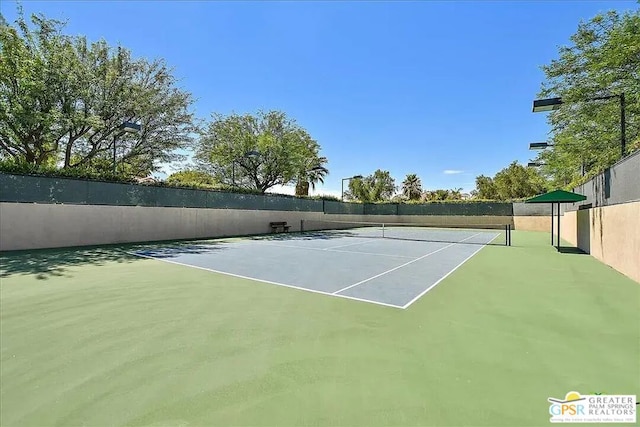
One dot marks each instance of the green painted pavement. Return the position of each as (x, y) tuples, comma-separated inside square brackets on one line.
[(94, 337)]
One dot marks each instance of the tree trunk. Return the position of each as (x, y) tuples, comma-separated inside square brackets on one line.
[(302, 188)]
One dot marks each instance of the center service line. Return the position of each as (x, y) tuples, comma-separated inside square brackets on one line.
[(344, 246), (403, 265)]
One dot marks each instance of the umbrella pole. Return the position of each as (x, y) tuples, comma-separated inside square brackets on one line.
[(558, 226), (552, 205)]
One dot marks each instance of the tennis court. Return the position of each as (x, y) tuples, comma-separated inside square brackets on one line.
[(386, 264), (98, 336)]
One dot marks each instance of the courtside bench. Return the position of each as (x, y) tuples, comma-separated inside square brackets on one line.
[(279, 226)]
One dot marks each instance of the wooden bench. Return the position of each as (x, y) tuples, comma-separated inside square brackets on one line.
[(279, 227)]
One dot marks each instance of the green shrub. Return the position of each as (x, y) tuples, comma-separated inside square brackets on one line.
[(81, 172), (322, 197)]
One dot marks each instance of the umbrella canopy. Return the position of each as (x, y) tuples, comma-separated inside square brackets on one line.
[(553, 197), (558, 196)]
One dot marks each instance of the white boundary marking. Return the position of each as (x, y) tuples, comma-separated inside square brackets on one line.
[(266, 281), (443, 277), (404, 265), (336, 293)]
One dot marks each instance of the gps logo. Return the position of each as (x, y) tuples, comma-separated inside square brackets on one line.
[(593, 408), (568, 406)]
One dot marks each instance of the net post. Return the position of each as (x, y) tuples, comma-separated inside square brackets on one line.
[(301, 225), (506, 235), (383, 229)]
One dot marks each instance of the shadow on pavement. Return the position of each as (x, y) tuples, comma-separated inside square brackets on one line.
[(46, 263), (571, 250)]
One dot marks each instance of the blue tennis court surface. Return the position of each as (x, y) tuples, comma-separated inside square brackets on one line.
[(387, 271)]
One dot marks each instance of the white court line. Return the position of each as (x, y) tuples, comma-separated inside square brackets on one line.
[(404, 265), (444, 277), (344, 246), (266, 281), (331, 250)]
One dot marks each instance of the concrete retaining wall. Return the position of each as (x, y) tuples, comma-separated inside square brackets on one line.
[(532, 223), (532, 216), (34, 226), (618, 184), (609, 233), (37, 226), (531, 209), (614, 237), (568, 227)]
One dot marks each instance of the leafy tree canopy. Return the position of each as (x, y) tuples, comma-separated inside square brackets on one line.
[(485, 188), (258, 151), (603, 59), (438, 195), (191, 178), (513, 182), (378, 187), (63, 101)]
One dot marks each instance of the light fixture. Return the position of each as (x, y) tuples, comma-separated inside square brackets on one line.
[(348, 179), (130, 127), (539, 145), (550, 104)]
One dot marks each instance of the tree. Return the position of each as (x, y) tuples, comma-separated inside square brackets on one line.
[(603, 59), (455, 194), (29, 78), (517, 181), (412, 187), (258, 151), (191, 178), (486, 188), (439, 195), (63, 100), (513, 182), (378, 187), (313, 171)]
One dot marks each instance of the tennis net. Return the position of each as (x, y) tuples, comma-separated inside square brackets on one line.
[(484, 234)]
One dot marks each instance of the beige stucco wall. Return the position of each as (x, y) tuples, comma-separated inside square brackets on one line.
[(615, 237), (36, 226), (583, 234), (33, 226), (532, 223), (569, 228)]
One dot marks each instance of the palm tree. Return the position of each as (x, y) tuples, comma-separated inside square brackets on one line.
[(455, 194), (313, 172), (412, 187)]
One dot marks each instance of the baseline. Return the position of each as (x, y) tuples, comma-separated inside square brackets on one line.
[(267, 281)]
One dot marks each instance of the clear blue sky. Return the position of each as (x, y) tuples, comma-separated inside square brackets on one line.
[(410, 87)]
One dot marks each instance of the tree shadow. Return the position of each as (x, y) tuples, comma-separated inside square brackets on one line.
[(47, 263), (175, 249), (306, 235)]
